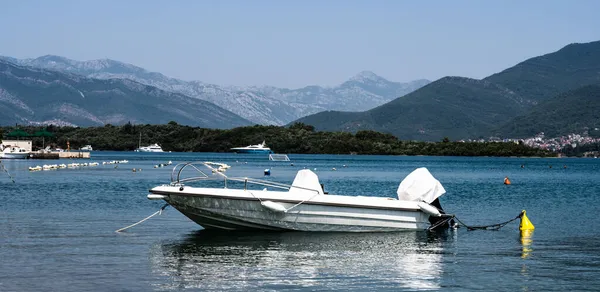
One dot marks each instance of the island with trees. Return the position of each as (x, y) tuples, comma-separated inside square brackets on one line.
[(297, 138)]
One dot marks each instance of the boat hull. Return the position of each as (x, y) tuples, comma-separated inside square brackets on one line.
[(252, 151), (14, 155), (234, 213)]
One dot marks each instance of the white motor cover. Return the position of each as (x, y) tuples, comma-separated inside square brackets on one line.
[(306, 181), (420, 185)]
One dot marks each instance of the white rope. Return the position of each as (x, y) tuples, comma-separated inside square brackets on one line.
[(134, 224), (254, 196), (6, 170), (292, 207)]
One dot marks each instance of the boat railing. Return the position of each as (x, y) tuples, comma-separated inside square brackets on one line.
[(177, 171), (178, 179), (254, 181)]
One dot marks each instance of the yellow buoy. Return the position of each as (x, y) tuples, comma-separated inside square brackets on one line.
[(525, 223), (506, 181)]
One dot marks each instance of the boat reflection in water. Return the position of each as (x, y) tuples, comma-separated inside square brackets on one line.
[(213, 260)]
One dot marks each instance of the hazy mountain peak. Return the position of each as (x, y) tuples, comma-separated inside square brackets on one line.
[(79, 67), (366, 76), (53, 58)]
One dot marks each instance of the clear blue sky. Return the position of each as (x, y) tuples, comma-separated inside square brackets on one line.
[(298, 43)]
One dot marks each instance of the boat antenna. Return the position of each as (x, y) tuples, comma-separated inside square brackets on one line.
[(8, 173)]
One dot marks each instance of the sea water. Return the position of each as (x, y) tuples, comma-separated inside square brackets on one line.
[(57, 228)]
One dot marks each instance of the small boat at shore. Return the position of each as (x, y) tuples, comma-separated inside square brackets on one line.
[(253, 204), (13, 152), (87, 148), (49, 149)]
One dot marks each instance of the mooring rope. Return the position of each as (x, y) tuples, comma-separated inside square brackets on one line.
[(496, 226), (134, 224)]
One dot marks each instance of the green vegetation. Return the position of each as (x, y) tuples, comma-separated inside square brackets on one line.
[(582, 150), (571, 112), (546, 76), (457, 107), (298, 138)]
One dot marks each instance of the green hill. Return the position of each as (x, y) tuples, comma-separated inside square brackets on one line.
[(453, 107), (570, 112), (460, 108), (546, 76)]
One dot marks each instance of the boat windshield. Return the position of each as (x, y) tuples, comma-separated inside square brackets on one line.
[(306, 181)]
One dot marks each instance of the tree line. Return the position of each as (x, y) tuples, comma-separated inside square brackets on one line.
[(298, 138)]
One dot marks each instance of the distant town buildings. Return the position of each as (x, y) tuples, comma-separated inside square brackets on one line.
[(556, 144), (559, 143)]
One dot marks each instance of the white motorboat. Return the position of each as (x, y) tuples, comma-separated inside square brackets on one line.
[(86, 148), (302, 206), (253, 149), (48, 149), (151, 148), (14, 152)]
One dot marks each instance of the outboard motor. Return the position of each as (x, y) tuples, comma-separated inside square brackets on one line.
[(422, 187), (436, 220)]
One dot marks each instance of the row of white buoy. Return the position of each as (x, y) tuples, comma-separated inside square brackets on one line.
[(75, 165), (115, 162), (61, 166)]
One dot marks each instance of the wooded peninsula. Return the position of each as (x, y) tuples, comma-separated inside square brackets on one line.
[(298, 138)]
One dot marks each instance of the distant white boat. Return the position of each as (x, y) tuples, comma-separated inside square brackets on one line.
[(86, 148), (14, 152), (48, 149), (152, 148), (257, 149)]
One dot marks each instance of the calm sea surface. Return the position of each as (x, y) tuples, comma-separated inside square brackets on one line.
[(57, 229)]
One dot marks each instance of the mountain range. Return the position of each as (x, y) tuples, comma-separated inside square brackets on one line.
[(261, 105), (38, 96), (463, 108), (556, 93)]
